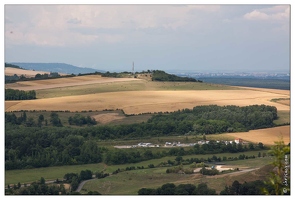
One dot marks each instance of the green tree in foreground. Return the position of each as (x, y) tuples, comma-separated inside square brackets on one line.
[(279, 180)]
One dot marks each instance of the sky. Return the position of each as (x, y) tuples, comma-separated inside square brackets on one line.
[(198, 37)]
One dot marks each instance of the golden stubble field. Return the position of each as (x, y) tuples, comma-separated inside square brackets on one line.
[(266, 136), (10, 71), (136, 102), (65, 82)]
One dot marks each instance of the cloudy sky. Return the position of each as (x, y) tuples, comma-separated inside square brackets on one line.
[(168, 37)]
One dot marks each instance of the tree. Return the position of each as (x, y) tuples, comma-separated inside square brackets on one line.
[(42, 180), (30, 122), (279, 180), (24, 116), (40, 120), (260, 145), (74, 183), (203, 189), (85, 175), (54, 119), (235, 188), (251, 146), (204, 136)]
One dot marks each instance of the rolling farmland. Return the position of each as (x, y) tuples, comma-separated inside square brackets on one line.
[(137, 96), (136, 102)]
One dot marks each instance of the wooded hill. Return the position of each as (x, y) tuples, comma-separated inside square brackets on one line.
[(28, 146)]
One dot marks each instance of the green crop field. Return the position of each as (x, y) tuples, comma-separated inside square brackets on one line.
[(284, 117), (52, 173), (141, 85), (129, 182), (48, 173)]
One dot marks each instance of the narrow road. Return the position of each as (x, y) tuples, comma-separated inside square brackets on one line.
[(83, 182)]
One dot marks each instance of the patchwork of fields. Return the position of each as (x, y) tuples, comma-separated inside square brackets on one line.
[(136, 96)]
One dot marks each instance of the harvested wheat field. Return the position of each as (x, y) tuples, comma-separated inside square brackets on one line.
[(267, 136), (275, 91), (64, 82), (135, 102), (10, 71)]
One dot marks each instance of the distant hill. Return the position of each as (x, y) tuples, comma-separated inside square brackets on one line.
[(56, 67)]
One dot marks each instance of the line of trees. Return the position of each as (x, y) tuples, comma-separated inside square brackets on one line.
[(54, 120), (182, 189), (11, 94), (51, 75), (37, 188), (80, 120), (246, 188), (42, 188)]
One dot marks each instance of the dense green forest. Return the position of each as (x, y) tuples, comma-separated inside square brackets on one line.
[(11, 94), (33, 147), (158, 75), (217, 119), (41, 142)]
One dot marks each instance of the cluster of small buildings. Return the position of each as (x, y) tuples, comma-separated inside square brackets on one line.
[(178, 144)]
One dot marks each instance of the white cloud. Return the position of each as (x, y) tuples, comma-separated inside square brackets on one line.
[(275, 13), (55, 24), (256, 15)]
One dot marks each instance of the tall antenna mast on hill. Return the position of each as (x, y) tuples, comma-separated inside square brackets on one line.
[(133, 68)]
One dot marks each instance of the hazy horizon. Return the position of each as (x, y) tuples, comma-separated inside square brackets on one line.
[(166, 37)]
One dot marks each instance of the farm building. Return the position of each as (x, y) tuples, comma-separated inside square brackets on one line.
[(238, 140)]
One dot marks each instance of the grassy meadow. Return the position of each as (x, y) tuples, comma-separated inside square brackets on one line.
[(129, 182), (52, 173)]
